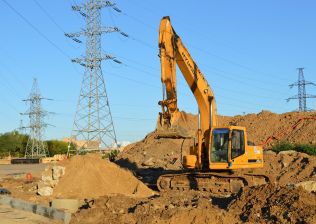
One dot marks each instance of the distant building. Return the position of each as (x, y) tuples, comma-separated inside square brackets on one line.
[(83, 143)]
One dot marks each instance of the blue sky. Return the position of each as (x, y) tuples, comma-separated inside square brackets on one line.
[(248, 51)]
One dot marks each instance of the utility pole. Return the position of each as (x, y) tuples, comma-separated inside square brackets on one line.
[(93, 123), (35, 147), (301, 96)]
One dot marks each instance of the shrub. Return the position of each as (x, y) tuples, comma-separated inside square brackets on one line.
[(284, 146)]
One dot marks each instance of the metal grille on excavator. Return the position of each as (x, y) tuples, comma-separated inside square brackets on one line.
[(215, 183)]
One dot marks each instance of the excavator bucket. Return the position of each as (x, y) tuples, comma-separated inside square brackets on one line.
[(179, 125)]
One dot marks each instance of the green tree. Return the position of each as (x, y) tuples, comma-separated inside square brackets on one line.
[(57, 147), (12, 143)]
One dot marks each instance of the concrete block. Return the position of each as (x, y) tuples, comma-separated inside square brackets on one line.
[(70, 205), (48, 212)]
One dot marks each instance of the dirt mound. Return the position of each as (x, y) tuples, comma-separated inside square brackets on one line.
[(297, 127), (272, 204), (167, 209), (166, 153), (289, 167), (155, 152), (90, 176), (264, 204)]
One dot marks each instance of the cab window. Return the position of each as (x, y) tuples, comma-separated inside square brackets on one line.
[(238, 144), (220, 138)]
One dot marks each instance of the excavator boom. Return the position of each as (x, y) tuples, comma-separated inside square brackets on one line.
[(172, 52)]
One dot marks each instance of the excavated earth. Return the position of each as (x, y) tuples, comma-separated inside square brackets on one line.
[(166, 153), (281, 201), (264, 204), (115, 195)]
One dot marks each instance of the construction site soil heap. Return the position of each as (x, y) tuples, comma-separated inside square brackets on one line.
[(166, 153), (264, 204), (90, 176)]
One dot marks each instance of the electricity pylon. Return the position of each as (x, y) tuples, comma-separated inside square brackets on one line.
[(35, 147), (301, 95), (93, 124)]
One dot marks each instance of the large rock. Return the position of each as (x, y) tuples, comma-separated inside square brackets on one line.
[(309, 186), (47, 175), (148, 162), (43, 189), (288, 152), (58, 171)]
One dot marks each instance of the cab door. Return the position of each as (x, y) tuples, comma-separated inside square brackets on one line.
[(238, 147)]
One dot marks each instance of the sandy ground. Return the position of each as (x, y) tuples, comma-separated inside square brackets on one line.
[(10, 215), (21, 169)]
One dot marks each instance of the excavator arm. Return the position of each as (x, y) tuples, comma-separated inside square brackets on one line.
[(172, 52)]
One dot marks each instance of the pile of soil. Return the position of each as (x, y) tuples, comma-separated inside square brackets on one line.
[(91, 176), (265, 124), (166, 153), (272, 204), (288, 167), (155, 152), (264, 204), (168, 208)]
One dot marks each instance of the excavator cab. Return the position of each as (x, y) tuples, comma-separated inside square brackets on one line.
[(229, 149)]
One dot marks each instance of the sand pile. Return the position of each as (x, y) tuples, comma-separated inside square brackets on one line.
[(272, 204), (90, 176)]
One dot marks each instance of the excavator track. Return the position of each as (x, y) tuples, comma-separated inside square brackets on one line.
[(222, 184)]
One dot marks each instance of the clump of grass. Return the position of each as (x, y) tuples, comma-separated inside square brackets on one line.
[(284, 146)]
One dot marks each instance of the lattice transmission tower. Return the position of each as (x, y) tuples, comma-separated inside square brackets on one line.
[(35, 147), (301, 96), (93, 124)]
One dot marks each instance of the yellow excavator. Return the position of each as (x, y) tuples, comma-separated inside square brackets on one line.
[(221, 161)]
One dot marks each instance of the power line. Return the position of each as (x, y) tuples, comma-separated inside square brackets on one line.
[(36, 29), (202, 50)]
